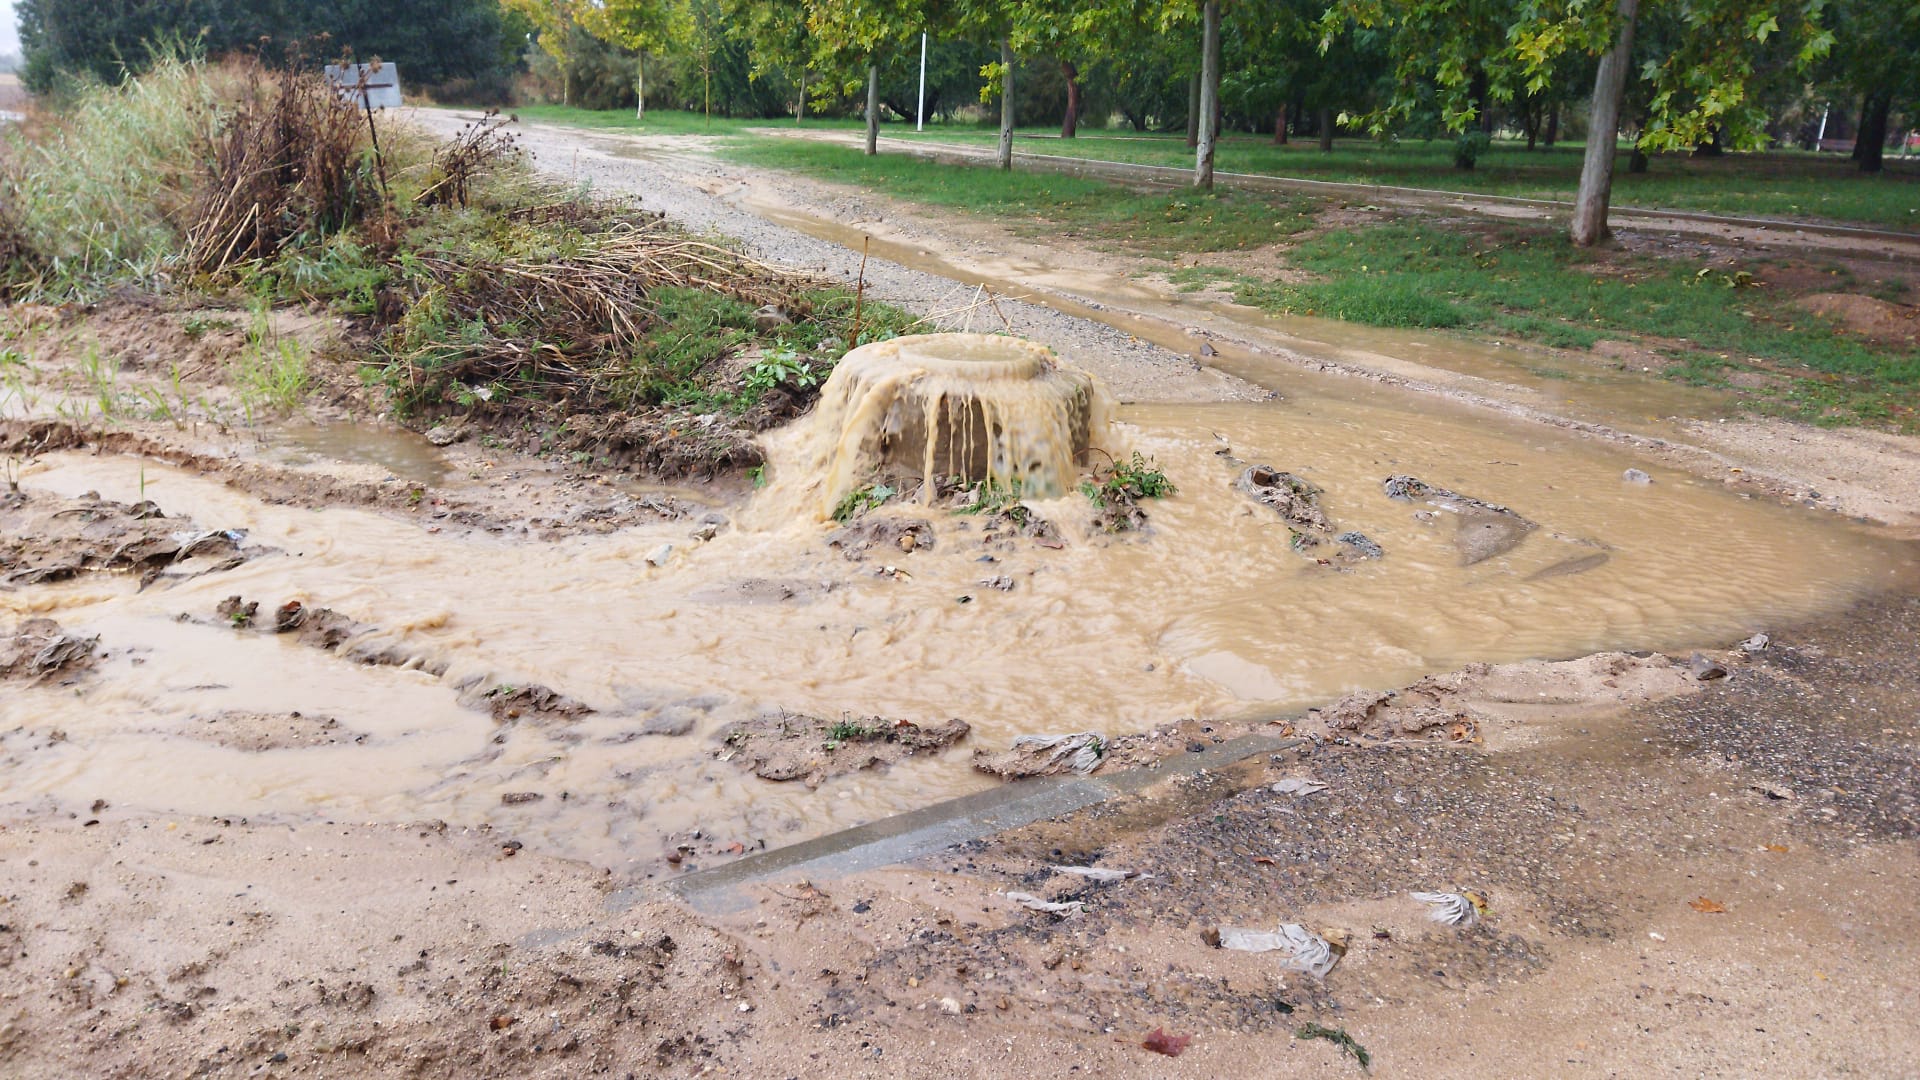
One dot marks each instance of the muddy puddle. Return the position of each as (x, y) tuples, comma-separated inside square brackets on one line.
[(1210, 613), (383, 451)]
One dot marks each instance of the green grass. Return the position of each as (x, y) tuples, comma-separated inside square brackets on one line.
[(1529, 282), (1152, 223), (1777, 184), (661, 121)]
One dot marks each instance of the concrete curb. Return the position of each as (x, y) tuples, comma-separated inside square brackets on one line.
[(904, 837)]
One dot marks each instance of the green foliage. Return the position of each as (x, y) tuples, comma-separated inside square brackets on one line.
[(1129, 483), (271, 371), (98, 195), (433, 41), (782, 367), (860, 500), (846, 731)]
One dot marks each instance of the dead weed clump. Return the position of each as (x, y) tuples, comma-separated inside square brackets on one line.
[(292, 163)]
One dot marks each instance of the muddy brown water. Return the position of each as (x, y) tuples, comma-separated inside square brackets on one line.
[(1208, 615)]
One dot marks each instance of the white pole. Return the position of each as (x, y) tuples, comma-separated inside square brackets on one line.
[(1822, 137), (920, 118)]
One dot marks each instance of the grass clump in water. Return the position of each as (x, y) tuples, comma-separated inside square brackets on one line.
[(860, 500)]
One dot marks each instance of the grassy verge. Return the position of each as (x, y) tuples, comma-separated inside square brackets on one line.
[(1041, 204), (1530, 283), (1782, 184)]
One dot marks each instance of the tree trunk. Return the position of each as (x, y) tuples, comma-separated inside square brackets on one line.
[(1860, 124), (1603, 134), (1637, 161), (1532, 123), (873, 109), (800, 109), (1193, 112), (1006, 104), (1553, 125), (1280, 126), (1871, 144), (1209, 95), (1070, 123), (640, 86), (1326, 131), (1712, 147)]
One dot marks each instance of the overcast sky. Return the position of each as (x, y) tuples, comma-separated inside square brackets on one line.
[(9, 37)]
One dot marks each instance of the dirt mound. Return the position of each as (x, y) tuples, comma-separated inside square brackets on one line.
[(255, 732), (794, 747), (1878, 321), (44, 538), (38, 649), (1482, 530), (1482, 702)]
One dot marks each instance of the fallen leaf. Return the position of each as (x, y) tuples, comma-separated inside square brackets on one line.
[(1707, 907), (736, 848), (500, 1023), (1162, 1043), (1781, 848), (1263, 860)]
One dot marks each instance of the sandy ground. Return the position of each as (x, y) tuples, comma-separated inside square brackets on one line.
[(1702, 877)]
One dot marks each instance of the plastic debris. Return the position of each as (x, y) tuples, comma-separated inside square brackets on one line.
[(1297, 786), (1636, 476), (1051, 907), (1096, 873), (1461, 909), (1756, 643), (1044, 755), (1301, 949)]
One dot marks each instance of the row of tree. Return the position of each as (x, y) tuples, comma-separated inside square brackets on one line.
[(1673, 74), (436, 42)]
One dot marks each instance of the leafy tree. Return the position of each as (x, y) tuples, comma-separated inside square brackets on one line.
[(1700, 87), (636, 25), (1876, 59)]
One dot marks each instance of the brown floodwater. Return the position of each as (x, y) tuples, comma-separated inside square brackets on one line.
[(1209, 614)]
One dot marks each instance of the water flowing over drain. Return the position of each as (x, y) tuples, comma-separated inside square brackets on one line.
[(979, 407)]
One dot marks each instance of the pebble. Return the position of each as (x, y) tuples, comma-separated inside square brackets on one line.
[(658, 556), (1635, 476)]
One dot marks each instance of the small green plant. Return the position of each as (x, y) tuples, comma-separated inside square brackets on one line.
[(197, 325), (1129, 483), (847, 731), (101, 373), (1339, 1038), (271, 370), (860, 500), (782, 367), (757, 476), (992, 498)]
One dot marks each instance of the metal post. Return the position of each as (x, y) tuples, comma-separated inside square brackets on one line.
[(1822, 137), (920, 117)]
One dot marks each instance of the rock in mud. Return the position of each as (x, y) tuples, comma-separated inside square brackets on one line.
[(535, 702), (38, 649), (448, 433), (46, 539), (1704, 668), (892, 535), (789, 746), (1482, 530), (1570, 567), (1044, 755), (1295, 500)]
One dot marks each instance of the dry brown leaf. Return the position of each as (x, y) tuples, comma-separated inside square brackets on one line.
[(1160, 1042), (1707, 907)]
